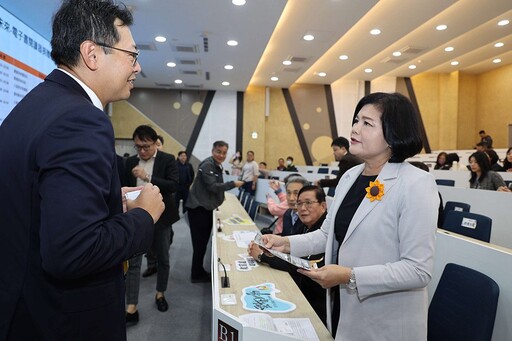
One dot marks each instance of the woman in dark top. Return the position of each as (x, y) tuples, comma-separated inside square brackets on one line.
[(507, 162), (482, 177), (441, 162)]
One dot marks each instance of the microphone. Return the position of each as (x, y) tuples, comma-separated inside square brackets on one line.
[(219, 226), (224, 280)]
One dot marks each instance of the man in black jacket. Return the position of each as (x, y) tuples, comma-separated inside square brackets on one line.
[(160, 169), (340, 149)]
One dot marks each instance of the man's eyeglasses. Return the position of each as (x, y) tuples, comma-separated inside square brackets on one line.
[(134, 54), (308, 204), (144, 147)]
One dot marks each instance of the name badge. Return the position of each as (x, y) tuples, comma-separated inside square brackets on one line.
[(469, 223)]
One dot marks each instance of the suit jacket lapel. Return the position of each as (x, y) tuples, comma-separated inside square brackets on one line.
[(60, 77), (387, 176)]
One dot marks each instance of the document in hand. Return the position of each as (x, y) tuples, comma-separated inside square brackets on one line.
[(296, 261)]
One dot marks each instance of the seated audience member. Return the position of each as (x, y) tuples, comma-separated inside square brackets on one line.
[(290, 167), (440, 215), (442, 161), (493, 159), (451, 158), (340, 148), (481, 147), (263, 170), (293, 185), (482, 177), (507, 161), (280, 165), (312, 210)]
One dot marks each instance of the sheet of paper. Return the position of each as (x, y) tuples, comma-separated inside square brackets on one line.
[(243, 238), (301, 328), (258, 320), (235, 219)]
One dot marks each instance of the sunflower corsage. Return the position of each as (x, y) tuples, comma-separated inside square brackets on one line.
[(375, 191)]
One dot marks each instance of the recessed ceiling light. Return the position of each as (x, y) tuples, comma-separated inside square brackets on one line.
[(441, 27), (232, 43), (171, 64), (287, 62), (225, 83), (274, 79), (368, 70), (308, 37), (160, 39), (375, 32), (343, 57), (322, 74), (397, 53), (499, 44), (496, 61), (454, 63), (449, 49), (238, 2), (178, 81), (228, 67), (503, 22), (412, 66)]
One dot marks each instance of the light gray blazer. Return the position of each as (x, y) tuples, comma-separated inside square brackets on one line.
[(390, 245)]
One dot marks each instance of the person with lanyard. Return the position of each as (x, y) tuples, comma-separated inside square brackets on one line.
[(379, 234)]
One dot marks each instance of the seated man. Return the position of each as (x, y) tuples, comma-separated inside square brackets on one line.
[(312, 210), (286, 204)]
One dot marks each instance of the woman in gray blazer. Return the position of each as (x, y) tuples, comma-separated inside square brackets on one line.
[(379, 234)]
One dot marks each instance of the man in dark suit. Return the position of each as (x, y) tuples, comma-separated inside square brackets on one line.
[(159, 168), (63, 229), (340, 149)]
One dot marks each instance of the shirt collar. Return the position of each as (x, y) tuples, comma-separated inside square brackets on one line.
[(95, 99)]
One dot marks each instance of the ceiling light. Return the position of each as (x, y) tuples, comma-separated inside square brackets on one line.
[(368, 70), (308, 37), (412, 66), (225, 83), (375, 32), (171, 64), (449, 49), (503, 22), (274, 79), (499, 44), (232, 43), (441, 27), (397, 53), (322, 74), (228, 67), (160, 39), (238, 2), (287, 62), (454, 63), (343, 57), (496, 61), (178, 81)]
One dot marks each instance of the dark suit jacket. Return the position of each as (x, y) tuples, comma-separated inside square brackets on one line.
[(348, 161), (288, 228), (165, 176), (63, 237)]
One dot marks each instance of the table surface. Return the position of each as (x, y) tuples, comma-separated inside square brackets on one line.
[(228, 252)]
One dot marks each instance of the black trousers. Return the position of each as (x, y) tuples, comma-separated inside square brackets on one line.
[(200, 221)]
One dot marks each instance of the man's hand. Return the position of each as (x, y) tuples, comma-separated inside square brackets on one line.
[(139, 172), (150, 200), (238, 183)]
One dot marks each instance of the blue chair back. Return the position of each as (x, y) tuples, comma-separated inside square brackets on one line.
[(445, 182), (248, 202), (463, 307), (468, 224), (331, 191), (253, 210), (456, 206), (323, 170)]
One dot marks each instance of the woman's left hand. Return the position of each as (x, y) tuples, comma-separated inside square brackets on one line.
[(328, 276)]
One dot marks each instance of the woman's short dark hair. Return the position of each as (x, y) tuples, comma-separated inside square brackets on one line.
[(79, 20), (483, 162), (506, 163), (400, 123), (319, 192)]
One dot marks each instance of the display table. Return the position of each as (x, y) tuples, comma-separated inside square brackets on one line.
[(226, 323)]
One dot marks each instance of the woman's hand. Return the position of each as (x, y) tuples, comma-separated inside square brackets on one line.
[(274, 185), (328, 276), (278, 243)]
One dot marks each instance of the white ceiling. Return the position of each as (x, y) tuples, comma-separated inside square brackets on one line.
[(270, 31)]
